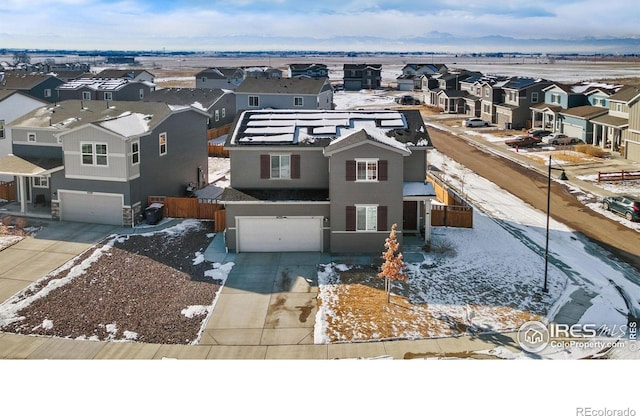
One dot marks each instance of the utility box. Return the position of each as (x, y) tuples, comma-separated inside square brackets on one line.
[(153, 213)]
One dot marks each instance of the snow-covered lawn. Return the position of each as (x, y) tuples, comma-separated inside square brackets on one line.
[(9, 240), (346, 100), (622, 188)]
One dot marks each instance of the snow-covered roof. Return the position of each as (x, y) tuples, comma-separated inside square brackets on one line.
[(128, 124)]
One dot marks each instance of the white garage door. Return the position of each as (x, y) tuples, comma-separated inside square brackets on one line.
[(272, 234), (633, 150), (94, 208), (572, 131)]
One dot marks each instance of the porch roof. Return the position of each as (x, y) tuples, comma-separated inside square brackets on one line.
[(418, 189), (19, 166), (611, 121), (543, 107)]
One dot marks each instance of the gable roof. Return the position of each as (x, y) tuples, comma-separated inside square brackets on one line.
[(100, 84), (304, 67), (283, 86), (626, 94), (22, 81), (520, 83), (197, 97), (221, 72), (585, 111), (121, 73), (366, 135), (5, 94)]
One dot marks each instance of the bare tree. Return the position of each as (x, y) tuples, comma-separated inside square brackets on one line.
[(393, 267), (21, 58)]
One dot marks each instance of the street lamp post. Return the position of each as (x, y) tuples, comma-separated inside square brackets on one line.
[(563, 176)]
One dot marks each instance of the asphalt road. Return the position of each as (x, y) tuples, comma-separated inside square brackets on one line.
[(531, 187)]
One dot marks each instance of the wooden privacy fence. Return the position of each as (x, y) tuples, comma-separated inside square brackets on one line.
[(618, 176), (199, 208), (217, 132), (217, 150), (451, 216), (8, 190)]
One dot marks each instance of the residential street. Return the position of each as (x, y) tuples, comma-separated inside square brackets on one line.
[(531, 187)]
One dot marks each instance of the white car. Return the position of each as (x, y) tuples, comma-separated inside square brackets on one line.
[(559, 138), (474, 122)]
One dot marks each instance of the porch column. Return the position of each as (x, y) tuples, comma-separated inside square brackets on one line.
[(427, 221), (603, 131), (22, 191)]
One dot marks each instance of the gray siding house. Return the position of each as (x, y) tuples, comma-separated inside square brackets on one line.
[(325, 180), (40, 86), (362, 76), (308, 70), (285, 93), (110, 89), (139, 75), (226, 78), (93, 163)]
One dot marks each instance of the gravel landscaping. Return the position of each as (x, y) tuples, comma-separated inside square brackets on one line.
[(154, 288)]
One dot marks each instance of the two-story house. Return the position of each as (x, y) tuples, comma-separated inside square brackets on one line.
[(97, 163), (109, 89), (138, 75), (410, 82), (557, 97), (631, 135), (424, 69), (308, 70), (261, 72), (608, 128), (13, 105), (519, 94), (325, 180), (284, 93), (362, 76), (226, 78), (40, 86), (220, 104)]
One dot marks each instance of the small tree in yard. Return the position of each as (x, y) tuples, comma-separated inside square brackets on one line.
[(393, 267)]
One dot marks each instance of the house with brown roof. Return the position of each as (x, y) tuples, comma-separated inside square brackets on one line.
[(129, 74), (40, 86), (284, 93)]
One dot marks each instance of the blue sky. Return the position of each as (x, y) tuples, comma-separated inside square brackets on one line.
[(324, 25)]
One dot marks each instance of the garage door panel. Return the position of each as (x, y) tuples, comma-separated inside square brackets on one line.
[(92, 208), (573, 131), (633, 151), (272, 234)]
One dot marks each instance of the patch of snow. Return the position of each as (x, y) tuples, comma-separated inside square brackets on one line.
[(47, 324), (130, 335), (195, 310), (199, 258)]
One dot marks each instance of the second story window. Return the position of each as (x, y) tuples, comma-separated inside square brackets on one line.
[(534, 97), (366, 170), (47, 93), (217, 115), (555, 98), (224, 112), (86, 95), (298, 102), (135, 153), (31, 137), (162, 143), (487, 92), (94, 154), (108, 96), (618, 108), (203, 79), (280, 166), (2, 136), (254, 101)]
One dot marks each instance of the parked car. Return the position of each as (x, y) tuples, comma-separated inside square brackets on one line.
[(623, 205), (407, 100), (559, 138), (539, 133), (522, 141), (475, 122)]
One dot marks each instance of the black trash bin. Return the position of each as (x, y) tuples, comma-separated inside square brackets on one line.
[(153, 213)]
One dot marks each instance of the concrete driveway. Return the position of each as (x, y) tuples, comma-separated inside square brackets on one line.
[(268, 299)]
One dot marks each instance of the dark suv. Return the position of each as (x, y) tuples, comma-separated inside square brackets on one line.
[(539, 134), (623, 205)]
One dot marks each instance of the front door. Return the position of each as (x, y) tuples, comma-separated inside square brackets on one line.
[(410, 215)]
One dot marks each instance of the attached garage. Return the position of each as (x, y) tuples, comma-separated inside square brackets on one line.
[(572, 130), (278, 234), (97, 208), (632, 150)]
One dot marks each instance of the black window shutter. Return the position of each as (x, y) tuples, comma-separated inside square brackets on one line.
[(382, 218), (383, 168), (351, 218), (265, 167), (351, 170), (295, 166)]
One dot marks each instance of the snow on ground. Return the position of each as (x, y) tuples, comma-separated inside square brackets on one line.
[(9, 240), (622, 188), (345, 100)]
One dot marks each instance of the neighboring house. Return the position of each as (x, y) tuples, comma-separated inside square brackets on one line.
[(362, 76), (445, 82), (424, 69), (308, 70), (410, 82), (97, 163), (139, 75), (609, 128), (226, 78), (325, 180), (111, 89), (576, 121), (261, 72), (284, 93), (492, 94), (472, 86), (631, 135), (40, 86), (220, 104), (519, 94), (13, 105), (452, 101)]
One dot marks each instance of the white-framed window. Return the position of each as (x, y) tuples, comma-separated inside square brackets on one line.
[(224, 112), (366, 218), (86, 95), (2, 135), (108, 96), (31, 137), (298, 101), (135, 153), (94, 154), (162, 143), (254, 101), (40, 182), (486, 92), (47, 92), (366, 170), (141, 93), (280, 166), (203, 79), (534, 97), (555, 98), (618, 108), (217, 115)]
